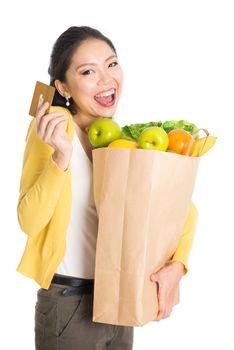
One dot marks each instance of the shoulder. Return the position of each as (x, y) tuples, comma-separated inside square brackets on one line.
[(61, 109)]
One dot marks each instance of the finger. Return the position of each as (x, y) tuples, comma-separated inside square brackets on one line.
[(54, 123), (55, 133), (169, 307), (154, 277), (167, 312), (44, 120), (161, 305), (52, 129), (42, 110), (160, 315)]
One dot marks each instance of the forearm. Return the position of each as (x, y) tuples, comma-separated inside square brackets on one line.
[(36, 206), (186, 238)]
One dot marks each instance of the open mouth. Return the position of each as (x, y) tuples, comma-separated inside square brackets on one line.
[(106, 98)]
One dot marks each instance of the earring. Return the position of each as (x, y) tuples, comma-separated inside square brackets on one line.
[(67, 103)]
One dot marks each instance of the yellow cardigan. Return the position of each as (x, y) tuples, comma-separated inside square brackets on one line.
[(44, 209)]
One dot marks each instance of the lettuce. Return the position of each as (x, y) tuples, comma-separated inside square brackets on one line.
[(133, 131)]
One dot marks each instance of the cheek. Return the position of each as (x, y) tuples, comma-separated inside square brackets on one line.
[(119, 79), (118, 76), (84, 89)]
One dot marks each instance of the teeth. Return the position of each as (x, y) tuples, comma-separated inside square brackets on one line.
[(107, 93)]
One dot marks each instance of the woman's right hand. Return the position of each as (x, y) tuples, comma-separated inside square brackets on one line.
[(50, 129)]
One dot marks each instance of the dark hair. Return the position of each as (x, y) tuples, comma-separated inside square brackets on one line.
[(61, 55)]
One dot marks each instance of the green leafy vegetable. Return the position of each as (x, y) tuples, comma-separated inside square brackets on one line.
[(133, 131)]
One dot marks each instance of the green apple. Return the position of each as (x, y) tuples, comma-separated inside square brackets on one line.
[(103, 131), (153, 138)]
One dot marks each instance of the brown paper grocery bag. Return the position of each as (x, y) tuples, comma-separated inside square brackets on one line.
[(142, 199)]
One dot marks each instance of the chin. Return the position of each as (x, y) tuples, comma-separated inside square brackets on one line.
[(107, 113)]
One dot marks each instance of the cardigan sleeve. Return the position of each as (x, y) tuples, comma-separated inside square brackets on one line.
[(186, 238), (40, 184)]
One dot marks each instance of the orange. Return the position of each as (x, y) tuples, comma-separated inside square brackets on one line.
[(180, 141), (122, 143)]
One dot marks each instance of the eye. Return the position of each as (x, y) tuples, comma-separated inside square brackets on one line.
[(113, 64), (87, 72)]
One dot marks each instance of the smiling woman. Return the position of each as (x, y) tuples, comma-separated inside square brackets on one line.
[(56, 205), (91, 78)]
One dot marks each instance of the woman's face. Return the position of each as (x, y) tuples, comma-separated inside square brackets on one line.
[(94, 79)]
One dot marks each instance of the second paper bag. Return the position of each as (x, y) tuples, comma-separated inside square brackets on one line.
[(142, 199)]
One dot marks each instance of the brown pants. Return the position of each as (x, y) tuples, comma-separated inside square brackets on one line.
[(65, 323)]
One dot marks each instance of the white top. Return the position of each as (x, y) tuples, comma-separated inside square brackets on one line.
[(79, 259)]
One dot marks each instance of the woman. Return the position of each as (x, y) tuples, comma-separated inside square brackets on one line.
[(56, 208)]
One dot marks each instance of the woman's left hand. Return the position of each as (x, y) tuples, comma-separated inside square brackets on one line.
[(168, 278)]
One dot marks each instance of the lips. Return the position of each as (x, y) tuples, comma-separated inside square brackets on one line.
[(106, 98)]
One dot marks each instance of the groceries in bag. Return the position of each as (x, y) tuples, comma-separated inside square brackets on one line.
[(181, 137)]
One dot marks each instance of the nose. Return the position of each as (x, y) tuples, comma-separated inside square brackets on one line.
[(104, 77)]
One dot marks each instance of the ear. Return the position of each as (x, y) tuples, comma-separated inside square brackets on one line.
[(62, 89)]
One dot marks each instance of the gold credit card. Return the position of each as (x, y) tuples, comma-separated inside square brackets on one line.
[(42, 93)]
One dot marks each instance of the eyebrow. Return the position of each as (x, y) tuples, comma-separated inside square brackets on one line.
[(94, 64)]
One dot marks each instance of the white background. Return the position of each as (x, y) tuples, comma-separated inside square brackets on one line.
[(178, 62)]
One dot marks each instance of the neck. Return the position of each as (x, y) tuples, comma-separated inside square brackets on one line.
[(83, 121)]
